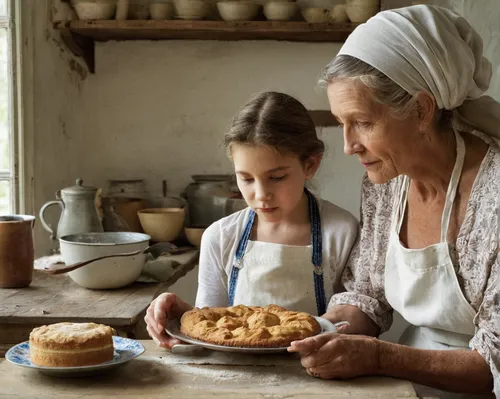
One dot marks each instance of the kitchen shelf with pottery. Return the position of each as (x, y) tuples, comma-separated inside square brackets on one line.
[(304, 20)]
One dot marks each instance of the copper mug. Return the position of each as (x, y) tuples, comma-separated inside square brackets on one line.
[(17, 253)]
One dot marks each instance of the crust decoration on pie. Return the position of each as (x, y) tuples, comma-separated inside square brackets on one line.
[(248, 326)]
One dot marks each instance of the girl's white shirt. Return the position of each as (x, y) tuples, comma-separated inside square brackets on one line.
[(220, 242)]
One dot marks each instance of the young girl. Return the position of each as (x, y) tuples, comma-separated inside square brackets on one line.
[(288, 247)]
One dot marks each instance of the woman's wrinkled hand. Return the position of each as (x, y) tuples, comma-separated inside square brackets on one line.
[(165, 305), (338, 356)]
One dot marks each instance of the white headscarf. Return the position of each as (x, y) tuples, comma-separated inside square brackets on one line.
[(431, 48)]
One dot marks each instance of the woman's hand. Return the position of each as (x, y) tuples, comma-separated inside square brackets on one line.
[(165, 305), (359, 322), (338, 356)]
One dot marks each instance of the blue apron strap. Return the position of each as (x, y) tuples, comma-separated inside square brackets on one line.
[(317, 254), (242, 245)]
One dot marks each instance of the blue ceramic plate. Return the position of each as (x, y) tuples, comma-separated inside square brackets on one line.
[(125, 350)]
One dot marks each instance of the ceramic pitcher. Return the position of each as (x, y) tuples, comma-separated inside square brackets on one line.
[(16, 250), (78, 211)]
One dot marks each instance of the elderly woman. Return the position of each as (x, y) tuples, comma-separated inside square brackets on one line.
[(407, 88)]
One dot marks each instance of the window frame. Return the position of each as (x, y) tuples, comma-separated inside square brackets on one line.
[(18, 22)]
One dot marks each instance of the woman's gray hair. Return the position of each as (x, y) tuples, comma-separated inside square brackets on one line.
[(384, 90)]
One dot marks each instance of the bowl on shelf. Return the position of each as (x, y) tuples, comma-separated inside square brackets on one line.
[(316, 14), (161, 11), (194, 234), (360, 11), (162, 224), (338, 14), (105, 273), (192, 9), (238, 10), (94, 9), (280, 10)]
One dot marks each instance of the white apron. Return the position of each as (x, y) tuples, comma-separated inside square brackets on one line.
[(286, 275), (278, 274), (421, 284)]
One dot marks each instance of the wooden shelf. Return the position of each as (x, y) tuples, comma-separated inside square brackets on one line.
[(80, 35)]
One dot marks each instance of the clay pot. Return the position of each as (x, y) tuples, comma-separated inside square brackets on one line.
[(17, 253)]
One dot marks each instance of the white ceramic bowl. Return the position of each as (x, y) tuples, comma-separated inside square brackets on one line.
[(94, 9), (192, 9), (161, 11), (280, 10), (105, 273), (238, 10), (338, 13), (315, 14), (360, 11)]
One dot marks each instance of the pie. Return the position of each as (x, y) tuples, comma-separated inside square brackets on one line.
[(71, 344), (248, 326)]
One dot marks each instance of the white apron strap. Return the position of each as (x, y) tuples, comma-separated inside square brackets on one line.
[(452, 187)]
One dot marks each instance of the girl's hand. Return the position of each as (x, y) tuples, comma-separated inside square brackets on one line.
[(165, 305), (338, 356)]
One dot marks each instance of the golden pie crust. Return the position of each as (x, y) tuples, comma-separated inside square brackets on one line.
[(248, 326), (71, 344)]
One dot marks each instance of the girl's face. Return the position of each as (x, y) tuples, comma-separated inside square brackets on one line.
[(271, 183), (382, 143)]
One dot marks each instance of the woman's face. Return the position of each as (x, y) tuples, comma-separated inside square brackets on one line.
[(381, 142)]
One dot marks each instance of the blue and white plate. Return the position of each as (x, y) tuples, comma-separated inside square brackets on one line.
[(125, 349)]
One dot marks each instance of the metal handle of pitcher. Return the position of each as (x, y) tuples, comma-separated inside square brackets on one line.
[(46, 226)]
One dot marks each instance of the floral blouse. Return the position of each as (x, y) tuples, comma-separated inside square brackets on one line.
[(477, 251)]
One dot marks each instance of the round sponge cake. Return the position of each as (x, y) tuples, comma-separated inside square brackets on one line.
[(71, 344)]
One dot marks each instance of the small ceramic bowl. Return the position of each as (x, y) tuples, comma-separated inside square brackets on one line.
[(315, 14), (162, 224), (280, 10), (94, 9), (161, 11), (191, 9), (194, 234), (238, 10), (360, 11), (338, 14)]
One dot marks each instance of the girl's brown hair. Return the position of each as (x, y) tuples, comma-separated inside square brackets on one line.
[(275, 120)]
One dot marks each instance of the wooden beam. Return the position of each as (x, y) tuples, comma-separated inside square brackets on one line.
[(208, 30)]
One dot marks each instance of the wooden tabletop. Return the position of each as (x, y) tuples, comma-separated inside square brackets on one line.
[(161, 374), (56, 298)]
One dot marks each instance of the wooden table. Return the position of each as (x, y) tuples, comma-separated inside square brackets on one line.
[(56, 298), (161, 374)]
